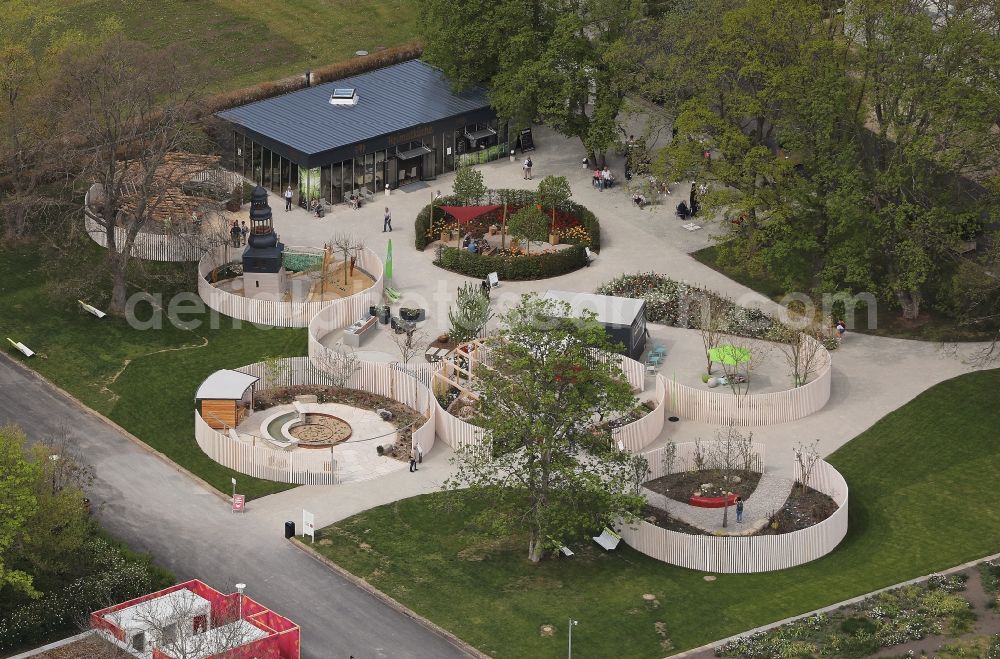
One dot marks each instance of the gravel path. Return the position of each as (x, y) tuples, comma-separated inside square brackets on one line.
[(771, 493)]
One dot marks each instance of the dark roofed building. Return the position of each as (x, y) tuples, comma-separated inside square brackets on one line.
[(391, 126)]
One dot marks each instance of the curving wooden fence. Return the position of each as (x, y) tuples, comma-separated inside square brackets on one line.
[(174, 247), (757, 553), (642, 432), (328, 314), (724, 408), (313, 467)]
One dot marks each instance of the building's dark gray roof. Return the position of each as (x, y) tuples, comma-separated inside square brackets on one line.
[(390, 99)]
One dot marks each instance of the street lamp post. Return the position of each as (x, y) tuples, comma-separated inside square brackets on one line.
[(572, 624), (240, 587)]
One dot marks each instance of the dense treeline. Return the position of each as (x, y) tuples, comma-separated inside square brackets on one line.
[(854, 146)]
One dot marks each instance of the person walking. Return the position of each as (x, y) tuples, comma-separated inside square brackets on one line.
[(387, 221), (244, 230), (234, 233), (288, 199), (527, 167), (413, 460), (420, 454), (739, 510), (841, 329), (524, 169)]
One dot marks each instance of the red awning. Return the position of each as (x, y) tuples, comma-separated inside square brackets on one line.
[(465, 213)]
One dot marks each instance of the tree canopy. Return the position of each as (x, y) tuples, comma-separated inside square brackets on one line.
[(565, 63), (549, 471)]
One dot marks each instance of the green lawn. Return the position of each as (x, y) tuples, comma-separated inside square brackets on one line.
[(153, 396), (236, 42), (922, 482)]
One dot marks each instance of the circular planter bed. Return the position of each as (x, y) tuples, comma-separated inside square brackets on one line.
[(687, 486), (403, 417)]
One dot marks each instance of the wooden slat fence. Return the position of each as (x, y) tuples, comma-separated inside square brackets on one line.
[(723, 408), (744, 555), (148, 246), (327, 314), (641, 433), (315, 467)]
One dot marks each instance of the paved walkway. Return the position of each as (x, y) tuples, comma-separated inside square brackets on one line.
[(771, 493)]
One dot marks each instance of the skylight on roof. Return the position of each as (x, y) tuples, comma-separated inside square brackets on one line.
[(344, 96)]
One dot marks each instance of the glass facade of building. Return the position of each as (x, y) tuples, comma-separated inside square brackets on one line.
[(367, 173)]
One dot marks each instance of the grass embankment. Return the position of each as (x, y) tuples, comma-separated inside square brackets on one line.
[(144, 380), (922, 498), (929, 326), (239, 43)]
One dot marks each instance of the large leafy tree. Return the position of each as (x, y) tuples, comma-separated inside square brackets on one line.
[(889, 114), (43, 523), (547, 470), (567, 63)]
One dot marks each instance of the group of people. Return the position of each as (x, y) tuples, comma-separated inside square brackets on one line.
[(471, 244), (238, 233), (603, 178)]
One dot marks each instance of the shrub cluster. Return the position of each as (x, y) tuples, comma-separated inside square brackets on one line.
[(335, 71), (510, 268), (114, 575), (680, 304)]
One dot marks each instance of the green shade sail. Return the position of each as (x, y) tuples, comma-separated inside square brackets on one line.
[(727, 354)]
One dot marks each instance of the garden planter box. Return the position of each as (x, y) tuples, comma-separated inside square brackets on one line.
[(712, 502), (445, 236), (553, 239)]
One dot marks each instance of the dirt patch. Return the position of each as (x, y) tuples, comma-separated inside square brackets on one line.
[(681, 486), (801, 510), (663, 519)]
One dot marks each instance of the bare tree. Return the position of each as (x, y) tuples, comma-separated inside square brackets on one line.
[(638, 473), (339, 367), (807, 457), (668, 457), (182, 625), (711, 326), (728, 456), (122, 108), (802, 352), (410, 341), (348, 245)]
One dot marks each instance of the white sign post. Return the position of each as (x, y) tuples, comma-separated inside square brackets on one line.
[(308, 524)]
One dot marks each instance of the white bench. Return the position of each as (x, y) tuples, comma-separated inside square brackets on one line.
[(608, 539), (354, 334), (25, 350), (92, 310)]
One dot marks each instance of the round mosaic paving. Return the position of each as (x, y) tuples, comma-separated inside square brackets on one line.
[(320, 430)]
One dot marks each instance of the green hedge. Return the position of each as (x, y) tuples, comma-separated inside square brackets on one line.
[(513, 198), (509, 268)]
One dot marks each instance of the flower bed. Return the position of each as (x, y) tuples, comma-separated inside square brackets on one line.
[(576, 224), (679, 304), (933, 608)]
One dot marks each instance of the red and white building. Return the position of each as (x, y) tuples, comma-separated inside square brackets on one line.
[(194, 621)]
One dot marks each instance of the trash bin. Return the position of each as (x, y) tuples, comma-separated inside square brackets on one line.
[(289, 530), (372, 310), (384, 315)]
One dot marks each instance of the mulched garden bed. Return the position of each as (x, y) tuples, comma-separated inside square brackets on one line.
[(403, 417), (682, 485), (663, 519), (801, 510)]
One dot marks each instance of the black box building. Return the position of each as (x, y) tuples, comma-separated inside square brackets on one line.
[(388, 127)]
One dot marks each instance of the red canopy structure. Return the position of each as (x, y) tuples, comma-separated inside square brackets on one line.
[(464, 214)]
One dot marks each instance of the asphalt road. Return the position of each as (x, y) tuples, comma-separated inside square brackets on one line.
[(153, 507)]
